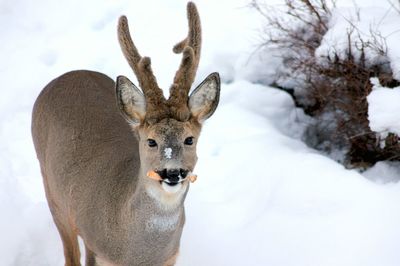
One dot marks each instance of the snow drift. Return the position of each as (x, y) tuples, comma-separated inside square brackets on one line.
[(262, 198)]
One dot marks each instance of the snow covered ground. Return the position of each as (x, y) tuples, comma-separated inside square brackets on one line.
[(262, 198)]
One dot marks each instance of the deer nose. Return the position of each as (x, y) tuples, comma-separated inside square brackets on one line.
[(173, 174)]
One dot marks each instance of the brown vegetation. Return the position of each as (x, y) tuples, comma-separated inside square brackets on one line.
[(331, 88)]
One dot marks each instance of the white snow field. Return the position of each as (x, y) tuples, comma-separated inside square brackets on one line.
[(262, 197)]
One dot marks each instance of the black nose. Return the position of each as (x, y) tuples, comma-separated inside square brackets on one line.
[(173, 174)]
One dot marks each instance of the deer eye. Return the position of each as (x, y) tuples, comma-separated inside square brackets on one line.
[(151, 142), (189, 141)]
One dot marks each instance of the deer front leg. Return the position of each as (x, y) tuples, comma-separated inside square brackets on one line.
[(172, 260)]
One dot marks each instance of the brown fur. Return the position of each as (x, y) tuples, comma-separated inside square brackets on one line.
[(94, 184), (171, 261), (184, 77), (176, 106), (94, 163), (141, 66)]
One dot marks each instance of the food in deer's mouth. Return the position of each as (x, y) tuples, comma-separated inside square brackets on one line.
[(192, 178), (155, 176)]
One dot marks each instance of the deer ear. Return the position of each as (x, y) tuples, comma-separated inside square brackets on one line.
[(204, 99), (130, 100)]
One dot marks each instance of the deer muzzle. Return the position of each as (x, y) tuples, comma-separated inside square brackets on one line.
[(172, 176)]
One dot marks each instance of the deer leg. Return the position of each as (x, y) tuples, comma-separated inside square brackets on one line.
[(68, 235), (172, 260), (90, 257), (70, 243)]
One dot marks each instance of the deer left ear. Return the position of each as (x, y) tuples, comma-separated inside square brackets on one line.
[(204, 99), (130, 100)]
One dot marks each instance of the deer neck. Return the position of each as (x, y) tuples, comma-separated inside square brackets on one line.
[(156, 208)]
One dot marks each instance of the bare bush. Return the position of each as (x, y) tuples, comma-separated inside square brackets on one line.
[(332, 87)]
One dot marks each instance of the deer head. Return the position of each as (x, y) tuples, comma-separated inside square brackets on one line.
[(167, 129)]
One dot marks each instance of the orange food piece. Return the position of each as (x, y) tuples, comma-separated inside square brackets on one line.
[(192, 178), (154, 175)]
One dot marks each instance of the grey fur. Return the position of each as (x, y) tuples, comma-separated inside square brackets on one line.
[(89, 157), (94, 163)]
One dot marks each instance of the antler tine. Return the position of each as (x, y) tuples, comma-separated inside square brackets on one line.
[(190, 48), (141, 66), (127, 46)]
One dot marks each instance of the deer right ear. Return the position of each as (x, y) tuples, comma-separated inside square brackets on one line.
[(204, 99), (131, 101)]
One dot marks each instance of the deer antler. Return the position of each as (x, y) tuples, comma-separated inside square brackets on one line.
[(156, 107), (190, 48)]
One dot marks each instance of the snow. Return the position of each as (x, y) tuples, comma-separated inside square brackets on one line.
[(282, 203), (376, 25), (384, 109), (262, 196), (168, 153)]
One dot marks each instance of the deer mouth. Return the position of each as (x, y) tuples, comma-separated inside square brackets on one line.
[(172, 188), (172, 177), (171, 181)]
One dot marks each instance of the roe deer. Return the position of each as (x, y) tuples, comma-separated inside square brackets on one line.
[(119, 181)]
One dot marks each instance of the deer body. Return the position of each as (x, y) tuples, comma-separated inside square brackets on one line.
[(87, 185), (95, 163)]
